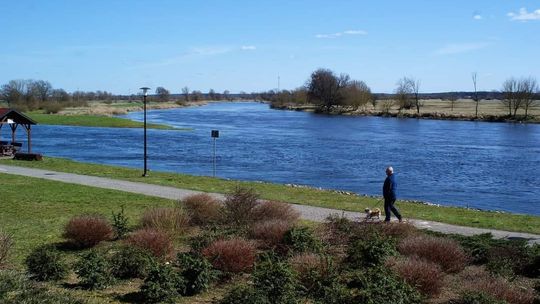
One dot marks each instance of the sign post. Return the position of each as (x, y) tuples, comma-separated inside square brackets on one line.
[(215, 135)]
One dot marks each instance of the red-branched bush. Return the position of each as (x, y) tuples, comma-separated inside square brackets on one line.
[(272, 210), (445, 252), (270, 233), (497, 287), (154, 241), (87, 231), (5, 246), (203, 209), (239, 205), (233, 255), (398, 230), (171, 220), (425, 276)]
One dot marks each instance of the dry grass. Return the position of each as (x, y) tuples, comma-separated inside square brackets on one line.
[(231, 256), (239, 205), (398, 230), (442, 251), (425, 276), (154, 241), (170, 220), (203, 209), (88, 230)]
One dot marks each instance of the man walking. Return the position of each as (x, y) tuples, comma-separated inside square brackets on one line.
[(389, 193)]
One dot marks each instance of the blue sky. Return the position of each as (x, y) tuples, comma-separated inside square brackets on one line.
[(120, 46)]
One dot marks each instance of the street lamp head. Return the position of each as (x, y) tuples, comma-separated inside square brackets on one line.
[(145, 90)]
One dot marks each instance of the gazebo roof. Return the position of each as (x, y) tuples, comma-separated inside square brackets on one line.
[(16, 116)]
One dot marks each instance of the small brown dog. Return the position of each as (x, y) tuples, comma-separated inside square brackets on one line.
[(371, 214)]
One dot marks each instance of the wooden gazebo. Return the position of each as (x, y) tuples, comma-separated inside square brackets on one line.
[(14, 119)]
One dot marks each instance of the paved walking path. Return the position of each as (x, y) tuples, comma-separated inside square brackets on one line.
[(307, 212)]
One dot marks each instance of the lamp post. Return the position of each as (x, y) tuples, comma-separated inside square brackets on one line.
[(145, 93)]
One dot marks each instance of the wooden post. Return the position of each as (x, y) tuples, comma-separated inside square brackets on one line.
[(29, 133), (13, 129)]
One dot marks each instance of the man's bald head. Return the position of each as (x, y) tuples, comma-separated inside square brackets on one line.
[(389, 171)]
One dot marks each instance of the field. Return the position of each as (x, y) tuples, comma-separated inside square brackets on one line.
[(92, 121), (304, 196)]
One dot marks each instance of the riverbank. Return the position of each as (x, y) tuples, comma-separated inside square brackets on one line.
[(298, 195), (462, 110), (93, 121)]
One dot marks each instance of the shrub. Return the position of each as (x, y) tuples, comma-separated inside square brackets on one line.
[(120, 223), (370, 252), (270, 232), (196, 271), (499, 289), (377, 285), (130, 262), (203, 209), (475, 297), (508, 260), (336, 293), (398, 230), (93, 270), (162, 284), (155, 241), (234, 255), (314, 273), (239, 206), (170, 220), (276, 280), (87, 231), (244, 294), (5, 246), (272, 210), (41, 295), (425, 276), (46, 263), (477, 246), (301, 239), (11, 281), (442, 251)]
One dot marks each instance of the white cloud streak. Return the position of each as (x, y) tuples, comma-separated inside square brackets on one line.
[(340, 34), (524, 15), (248, 47), (460, 48), (477, 17)]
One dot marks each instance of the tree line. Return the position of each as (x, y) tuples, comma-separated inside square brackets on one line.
[(338, 93)]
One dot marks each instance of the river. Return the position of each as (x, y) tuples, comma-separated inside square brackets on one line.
[(460, 163)]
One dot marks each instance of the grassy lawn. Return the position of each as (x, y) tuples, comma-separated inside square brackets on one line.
[(305, 196), (92, 121), (34, 211)]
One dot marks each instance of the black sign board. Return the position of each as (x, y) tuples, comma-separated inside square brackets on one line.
[(215, 133)]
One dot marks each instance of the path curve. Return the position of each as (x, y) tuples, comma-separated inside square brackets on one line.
[(318, 214)]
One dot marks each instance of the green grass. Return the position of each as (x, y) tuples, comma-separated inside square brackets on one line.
[(92, 121), (304, 196), (34, 211)]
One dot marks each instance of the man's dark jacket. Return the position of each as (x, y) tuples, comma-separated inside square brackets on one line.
[(390, 188)]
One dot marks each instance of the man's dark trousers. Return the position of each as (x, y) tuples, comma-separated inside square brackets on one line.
[(389, 206)]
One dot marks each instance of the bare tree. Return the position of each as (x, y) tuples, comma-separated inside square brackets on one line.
[(41, 89), (453, 101), (511, 97), (185, 92), (162, 94), (475, 97), (357, 94), (196, 95), (386, 105), (325, 89), (528, 89), (13, 92), (403, 94), (226, 95), (414, 87)]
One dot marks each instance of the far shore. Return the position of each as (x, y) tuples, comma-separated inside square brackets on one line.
[(464, 110)]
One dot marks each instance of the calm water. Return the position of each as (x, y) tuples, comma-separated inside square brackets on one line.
[(482, 165)]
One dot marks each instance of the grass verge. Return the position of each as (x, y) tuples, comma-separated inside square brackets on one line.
[(34, 211), (92, 121), (303, 196)]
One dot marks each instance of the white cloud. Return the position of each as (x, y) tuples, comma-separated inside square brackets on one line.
[(339, 34), (524, 15), (477, 17), (459, 48), (248, 47)]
